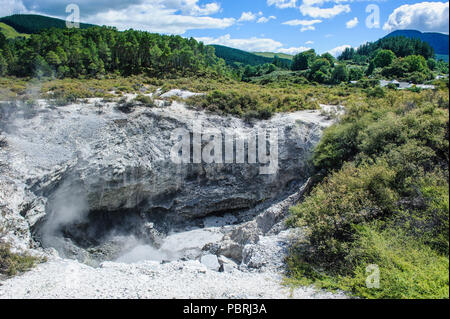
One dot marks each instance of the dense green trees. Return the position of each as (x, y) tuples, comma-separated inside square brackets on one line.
[(384, 58), (330, 58), (323, 68), (340, 74), (320, 70), (96, 51), (399, 46), (303, 60), (3, 62), (255, 71), (397, 58), (412, 68)]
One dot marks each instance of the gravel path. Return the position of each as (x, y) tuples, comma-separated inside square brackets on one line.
[(62, 279)]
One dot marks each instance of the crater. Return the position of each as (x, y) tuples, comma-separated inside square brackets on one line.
[(132, 235)]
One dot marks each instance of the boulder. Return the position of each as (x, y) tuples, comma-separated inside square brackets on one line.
[(211, 262)]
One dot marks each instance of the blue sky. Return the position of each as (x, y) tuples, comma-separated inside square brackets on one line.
[(287, 26)]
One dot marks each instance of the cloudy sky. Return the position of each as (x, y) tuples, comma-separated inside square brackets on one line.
[(287, 26)]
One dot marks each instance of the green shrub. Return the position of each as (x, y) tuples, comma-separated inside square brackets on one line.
[(384, 201), (384, 58), (147, 101), (377, 92), (407, 268), (346, 198), (11, 263)]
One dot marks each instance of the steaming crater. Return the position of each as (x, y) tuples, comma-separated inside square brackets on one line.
[(101, 186), (131, 237)]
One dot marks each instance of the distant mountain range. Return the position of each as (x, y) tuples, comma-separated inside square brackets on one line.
[(438, 41)]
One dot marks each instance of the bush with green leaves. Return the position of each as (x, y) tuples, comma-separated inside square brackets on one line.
[(303, 60), (384, 58), (12, 263), (384, 200), (340, 74)]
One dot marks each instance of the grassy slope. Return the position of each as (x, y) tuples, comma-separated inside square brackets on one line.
[(9, 31), (272, 55)]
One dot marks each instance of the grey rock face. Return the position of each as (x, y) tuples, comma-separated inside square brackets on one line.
[(63, 163)]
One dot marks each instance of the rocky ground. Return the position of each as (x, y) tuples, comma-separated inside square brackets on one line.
[(149, 280)]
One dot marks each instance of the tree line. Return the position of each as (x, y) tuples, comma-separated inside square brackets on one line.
[(101, 50), (397, 57), (400, 46)]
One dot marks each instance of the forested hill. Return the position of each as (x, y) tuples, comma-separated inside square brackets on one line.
[(238, 57), (32, 23), (101, 50), (438, 41), (400, 46)]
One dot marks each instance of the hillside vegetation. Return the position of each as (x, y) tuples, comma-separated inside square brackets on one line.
[(9, 32), (383, 200), (97, 51), (33, 23), (438, 41), (400, 58), (272, 55), (238, 58)]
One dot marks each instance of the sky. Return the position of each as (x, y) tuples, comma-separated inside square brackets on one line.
[(284, 26)]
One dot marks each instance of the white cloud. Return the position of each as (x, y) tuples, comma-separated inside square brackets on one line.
[(424, 16), (251, 44), (265, 20), (247, 16), (250, 16), (282, 4), (308, 28), (302, 22), (293, 51), (352, 23), (307, 25), (309, 42), (190, 7), (90, 7), (338, 50), (8, 7), (314, 9), (163, 16)]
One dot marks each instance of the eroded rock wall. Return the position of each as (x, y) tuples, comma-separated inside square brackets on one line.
[(70, 160)]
